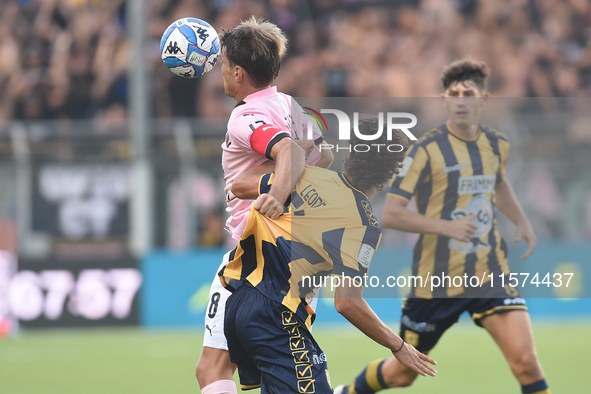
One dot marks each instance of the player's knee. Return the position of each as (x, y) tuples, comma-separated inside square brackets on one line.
[(397, 375), (207, 372), (214, 365), (201, 373), (526, 365)]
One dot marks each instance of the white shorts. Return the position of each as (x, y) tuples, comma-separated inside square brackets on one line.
[(214, 313), (216, 308)]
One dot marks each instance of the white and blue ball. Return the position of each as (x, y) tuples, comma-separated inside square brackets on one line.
[(190, 47)]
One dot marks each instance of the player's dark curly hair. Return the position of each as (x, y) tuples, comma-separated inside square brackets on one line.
[(374, 168), (465, 70), (257, 46)]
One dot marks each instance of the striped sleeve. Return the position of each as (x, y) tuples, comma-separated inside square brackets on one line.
[(353, 255), (415, 168), (504, 153), (265, 183)]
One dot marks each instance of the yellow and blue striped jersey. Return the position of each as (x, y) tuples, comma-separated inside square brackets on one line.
[(328, 229), (451, 177)]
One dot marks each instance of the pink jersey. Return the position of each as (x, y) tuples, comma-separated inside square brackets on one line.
[(256, 124)]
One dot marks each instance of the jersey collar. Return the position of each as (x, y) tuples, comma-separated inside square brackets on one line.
[(455, 134), (348, 184), (268, 92)]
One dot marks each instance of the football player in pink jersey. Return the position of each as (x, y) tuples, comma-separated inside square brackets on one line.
[(264, 125)]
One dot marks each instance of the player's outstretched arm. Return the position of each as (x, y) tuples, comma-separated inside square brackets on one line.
[(507, 203), (326, 156), (349, 303), (397, 216)]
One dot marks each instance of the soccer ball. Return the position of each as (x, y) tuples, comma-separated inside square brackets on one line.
[(190, 47)]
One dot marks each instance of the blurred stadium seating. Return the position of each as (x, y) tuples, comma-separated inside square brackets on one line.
[(67, 59)]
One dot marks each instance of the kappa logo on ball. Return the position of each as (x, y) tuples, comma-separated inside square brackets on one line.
[(174, 48)]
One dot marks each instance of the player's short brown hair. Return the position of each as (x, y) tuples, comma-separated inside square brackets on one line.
[(257, 46), (374, 167), (463, 70)]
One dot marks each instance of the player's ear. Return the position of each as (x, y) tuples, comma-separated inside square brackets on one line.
[(239, 73)]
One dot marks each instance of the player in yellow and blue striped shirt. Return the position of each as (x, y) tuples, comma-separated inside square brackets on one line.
[(328, 229), (456, 173)]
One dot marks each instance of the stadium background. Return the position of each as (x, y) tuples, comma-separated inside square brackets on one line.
[(111, 203)]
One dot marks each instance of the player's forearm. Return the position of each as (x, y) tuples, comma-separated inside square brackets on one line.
[(360, 314), (398, 217), (326, 157), (246, 186), (507, 203), (290, 160)]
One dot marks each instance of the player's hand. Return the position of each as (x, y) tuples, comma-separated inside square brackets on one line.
[(415, 360), (306, 145), (526, 232), (268, 206), (462, 229)]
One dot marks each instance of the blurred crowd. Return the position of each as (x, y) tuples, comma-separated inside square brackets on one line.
[(68, 58)]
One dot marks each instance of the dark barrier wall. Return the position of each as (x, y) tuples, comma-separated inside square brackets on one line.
[(53, 293)]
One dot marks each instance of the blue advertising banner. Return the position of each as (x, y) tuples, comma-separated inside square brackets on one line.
[(176, 285)]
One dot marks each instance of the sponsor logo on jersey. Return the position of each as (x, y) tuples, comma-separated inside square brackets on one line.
[(494, 163), (366, 253), (514, 301), (457, 167), (318, 358), (418, 326), (482, 205), (476, 184)]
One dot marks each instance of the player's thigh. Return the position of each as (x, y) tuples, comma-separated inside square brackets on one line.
[(291, 361), (237, 331), (284, 351), (214, 362), (513, 334), (213, 335), (424, 321), (510, 327)]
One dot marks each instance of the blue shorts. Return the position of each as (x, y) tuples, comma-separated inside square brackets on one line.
[(272, 348), (424, 321)]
